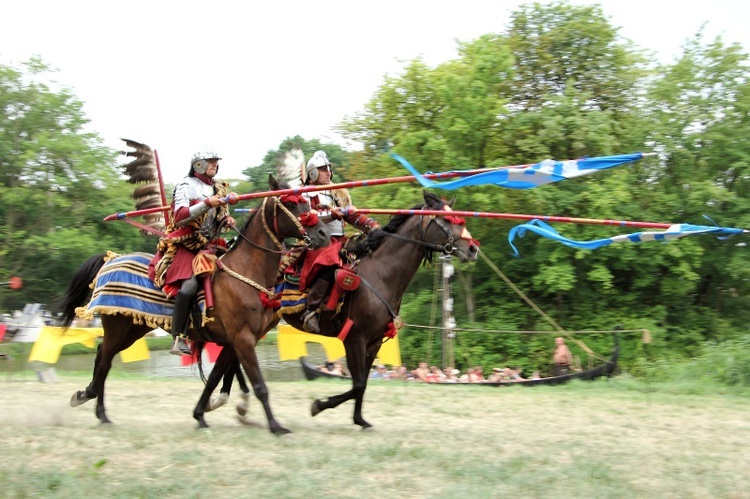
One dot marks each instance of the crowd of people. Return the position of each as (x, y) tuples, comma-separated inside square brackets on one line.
[(562, 361)]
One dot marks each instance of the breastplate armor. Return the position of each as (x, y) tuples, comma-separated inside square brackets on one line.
[(325, 198), (191, 190)]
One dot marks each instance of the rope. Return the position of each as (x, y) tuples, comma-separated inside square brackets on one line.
[(541, 312), (516, 331), (268, 292)]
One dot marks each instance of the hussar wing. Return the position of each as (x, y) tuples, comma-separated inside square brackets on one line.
[(143, 171)]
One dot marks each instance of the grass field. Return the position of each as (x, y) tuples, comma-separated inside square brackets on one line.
[(609, 438)]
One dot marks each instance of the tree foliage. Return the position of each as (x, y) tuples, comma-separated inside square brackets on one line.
[(58, 183), (573, 87), (557, 82)]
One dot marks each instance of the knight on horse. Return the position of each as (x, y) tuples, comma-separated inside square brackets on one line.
[(199, 213), (320, 265)]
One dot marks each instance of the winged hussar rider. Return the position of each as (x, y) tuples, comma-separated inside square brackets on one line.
[(199, 212), (320, 265)]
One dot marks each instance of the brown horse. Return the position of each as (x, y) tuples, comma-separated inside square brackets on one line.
[(238, 319), (393, 257)]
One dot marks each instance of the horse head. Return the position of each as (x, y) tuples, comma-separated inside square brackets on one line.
[(448, 231), (292, 218)]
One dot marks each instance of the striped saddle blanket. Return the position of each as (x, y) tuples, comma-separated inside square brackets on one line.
[(123, 287)]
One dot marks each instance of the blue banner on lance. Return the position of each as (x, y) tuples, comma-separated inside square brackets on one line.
[(526, 177), (675, 231)]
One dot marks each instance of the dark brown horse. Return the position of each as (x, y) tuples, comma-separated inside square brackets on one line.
[(239, 317), (396, 252)]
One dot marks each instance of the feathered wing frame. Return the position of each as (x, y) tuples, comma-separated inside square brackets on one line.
[(143, 171)]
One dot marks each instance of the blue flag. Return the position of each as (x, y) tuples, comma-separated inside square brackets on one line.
[(675, 231), (526, 177)]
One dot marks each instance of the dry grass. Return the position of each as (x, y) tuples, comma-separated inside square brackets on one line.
[(601, 439)]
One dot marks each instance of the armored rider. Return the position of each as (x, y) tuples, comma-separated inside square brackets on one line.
[(322, 263), (199, 211)]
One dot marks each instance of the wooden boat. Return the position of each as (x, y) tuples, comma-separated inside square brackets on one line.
[(313, 372), (607, 368)]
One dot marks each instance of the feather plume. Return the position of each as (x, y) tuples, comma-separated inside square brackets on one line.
[(143, 167), (290, 167), (143, 172)]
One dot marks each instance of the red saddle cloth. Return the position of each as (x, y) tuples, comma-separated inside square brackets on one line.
[(316, 259)]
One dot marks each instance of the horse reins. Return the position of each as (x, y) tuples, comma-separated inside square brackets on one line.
[(282, 249), (446, 248)]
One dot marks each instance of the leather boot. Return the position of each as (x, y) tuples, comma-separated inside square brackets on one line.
[(180, 318), (314, 299)]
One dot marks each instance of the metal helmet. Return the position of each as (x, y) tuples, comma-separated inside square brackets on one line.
[(199, 163), (318, 160)]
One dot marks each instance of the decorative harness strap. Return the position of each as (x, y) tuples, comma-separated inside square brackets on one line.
[(269, 292), (268, 296)]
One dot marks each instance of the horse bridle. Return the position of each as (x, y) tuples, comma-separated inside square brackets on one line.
[(446, 249), (282, 249), (272, 234)]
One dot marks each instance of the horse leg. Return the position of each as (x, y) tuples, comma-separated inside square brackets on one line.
[(88, 393), (359, 366), (224, 365), (359, 389), (119, 334), (245, 348), (242, 405), (222, 398)]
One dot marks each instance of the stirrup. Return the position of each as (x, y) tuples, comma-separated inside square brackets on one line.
[(310, 322), (180, 347)]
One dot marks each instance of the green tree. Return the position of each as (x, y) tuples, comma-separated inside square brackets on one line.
[(574, 88), (57, 183)]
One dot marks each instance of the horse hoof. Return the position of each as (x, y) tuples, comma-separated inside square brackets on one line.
[(281, 431), (364, 424), (248, 422), (202, 425), (315, 409), (242, 408), (217, 401), (78, 398)]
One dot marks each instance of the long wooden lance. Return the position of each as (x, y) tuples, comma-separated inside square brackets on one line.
[(518, 216), (315, 188), (233, 198)]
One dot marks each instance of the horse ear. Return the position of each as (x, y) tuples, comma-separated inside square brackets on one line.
[(432, 200), (272, 183), (452, 201)]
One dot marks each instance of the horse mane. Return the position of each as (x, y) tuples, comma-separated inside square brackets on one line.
[(367, 245), (373, 240)]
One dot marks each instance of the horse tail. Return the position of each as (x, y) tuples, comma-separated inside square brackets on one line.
[(78, 290)]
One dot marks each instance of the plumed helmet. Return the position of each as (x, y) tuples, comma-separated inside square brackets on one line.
[(319, 160), (199, 163)]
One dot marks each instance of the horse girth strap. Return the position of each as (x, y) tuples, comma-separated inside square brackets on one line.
[(379, 295), (222, 266)]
